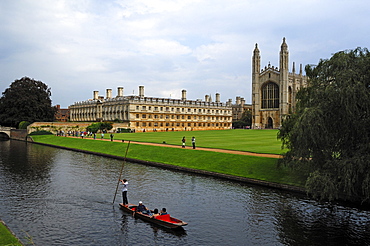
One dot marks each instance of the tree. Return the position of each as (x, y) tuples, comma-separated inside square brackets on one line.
[(106, 126), (329, 135), (95, 127), (23, 125), (26, 100), (245, 120)]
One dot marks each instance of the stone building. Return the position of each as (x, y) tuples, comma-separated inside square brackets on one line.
[(274, 90), (61, 114), (141, 113), (239, 107)]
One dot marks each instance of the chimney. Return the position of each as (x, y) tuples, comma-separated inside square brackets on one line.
[(237, 100), (242, 101), (141, 91), (183, 95), (109, 93), (207, 98), (229, 103), (120, 92), (217, 97), (96, 95)]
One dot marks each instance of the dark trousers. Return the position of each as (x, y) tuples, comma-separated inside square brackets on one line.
[(124, 197)]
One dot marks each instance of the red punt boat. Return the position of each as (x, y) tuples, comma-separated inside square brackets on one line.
[(162, 220)]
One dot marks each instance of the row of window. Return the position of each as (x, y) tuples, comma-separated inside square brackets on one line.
[(178, 117), (178, 124), (189, 110)]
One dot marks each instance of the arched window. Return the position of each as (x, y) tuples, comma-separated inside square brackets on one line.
[(270, 95)]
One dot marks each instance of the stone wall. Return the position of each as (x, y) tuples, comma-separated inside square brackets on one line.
[(18, 134)]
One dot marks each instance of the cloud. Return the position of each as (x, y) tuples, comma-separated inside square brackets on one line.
[(202, 46)]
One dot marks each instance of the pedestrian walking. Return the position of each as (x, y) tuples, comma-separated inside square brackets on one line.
[(193, 142), (183, 142)]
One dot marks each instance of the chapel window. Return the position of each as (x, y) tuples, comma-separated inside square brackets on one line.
[(270, 95)]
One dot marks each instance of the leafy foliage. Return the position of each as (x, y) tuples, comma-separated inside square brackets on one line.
[(102, 126), (41, 132), (23, 125), (26, 100), (329, 136), (245, 120)]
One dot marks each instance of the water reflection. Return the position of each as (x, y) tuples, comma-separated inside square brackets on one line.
[(61, 197), (322, 224)]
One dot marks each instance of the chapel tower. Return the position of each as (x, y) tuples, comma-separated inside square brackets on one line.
[(274, 90)]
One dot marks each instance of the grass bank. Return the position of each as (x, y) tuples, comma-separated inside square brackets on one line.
[(259, 168), (6, 236), (258, 141)]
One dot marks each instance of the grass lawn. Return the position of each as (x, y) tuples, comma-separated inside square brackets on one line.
[(258, 141), (260, 168), (6, 237)]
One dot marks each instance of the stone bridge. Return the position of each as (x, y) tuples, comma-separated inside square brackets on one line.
[(5, 132)]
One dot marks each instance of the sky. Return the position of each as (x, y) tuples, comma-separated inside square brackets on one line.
[(203, 46)]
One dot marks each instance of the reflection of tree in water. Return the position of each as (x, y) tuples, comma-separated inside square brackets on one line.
[(30, 161), (324, 224)]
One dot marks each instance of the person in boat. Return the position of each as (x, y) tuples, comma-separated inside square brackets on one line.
[(124, 191), (142, 209), (155, 213), (163, 211)]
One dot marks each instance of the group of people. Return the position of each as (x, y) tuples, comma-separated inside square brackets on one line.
[(183, 140), (141, 207)]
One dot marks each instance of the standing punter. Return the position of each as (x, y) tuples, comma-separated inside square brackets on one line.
[(124, 191)]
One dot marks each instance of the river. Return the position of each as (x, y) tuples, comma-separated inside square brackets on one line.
[(51, 196)]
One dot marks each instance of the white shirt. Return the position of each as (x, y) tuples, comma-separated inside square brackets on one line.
[(124, 188)]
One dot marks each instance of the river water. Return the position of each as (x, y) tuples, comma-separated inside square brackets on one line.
[(51, 196)]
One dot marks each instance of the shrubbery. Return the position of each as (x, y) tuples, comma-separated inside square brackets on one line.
[(41, 132)]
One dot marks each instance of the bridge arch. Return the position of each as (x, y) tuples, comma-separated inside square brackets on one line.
[(4, 135)]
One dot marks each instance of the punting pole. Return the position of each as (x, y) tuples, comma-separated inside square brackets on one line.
[(120, 174)]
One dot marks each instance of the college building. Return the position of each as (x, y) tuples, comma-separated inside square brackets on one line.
[(141, 113), (274, 90)]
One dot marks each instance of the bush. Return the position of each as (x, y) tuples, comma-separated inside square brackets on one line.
[(23, 124), (42, 132)]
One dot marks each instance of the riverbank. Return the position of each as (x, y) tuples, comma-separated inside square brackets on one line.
[(7, 237), (242, 168)]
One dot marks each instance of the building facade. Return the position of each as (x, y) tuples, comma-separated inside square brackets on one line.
[(239, 107), (141, 113), (61, 114), (274, 90)]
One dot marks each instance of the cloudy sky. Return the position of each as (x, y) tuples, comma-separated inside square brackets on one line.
[(203, 46)]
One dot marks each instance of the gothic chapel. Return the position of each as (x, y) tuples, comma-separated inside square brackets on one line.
[(274, 90)]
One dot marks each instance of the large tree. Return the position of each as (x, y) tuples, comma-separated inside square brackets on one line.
[(329, 136), (26, 100), (245, 120)]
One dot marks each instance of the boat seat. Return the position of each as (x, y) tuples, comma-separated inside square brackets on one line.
[(165, 217)]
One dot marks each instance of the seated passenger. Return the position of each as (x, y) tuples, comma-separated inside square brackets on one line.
[(155, 213), (163, 211), (141, 208)]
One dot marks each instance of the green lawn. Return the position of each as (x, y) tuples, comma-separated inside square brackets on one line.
[(238, 165), (6, 237), (258, 141)]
